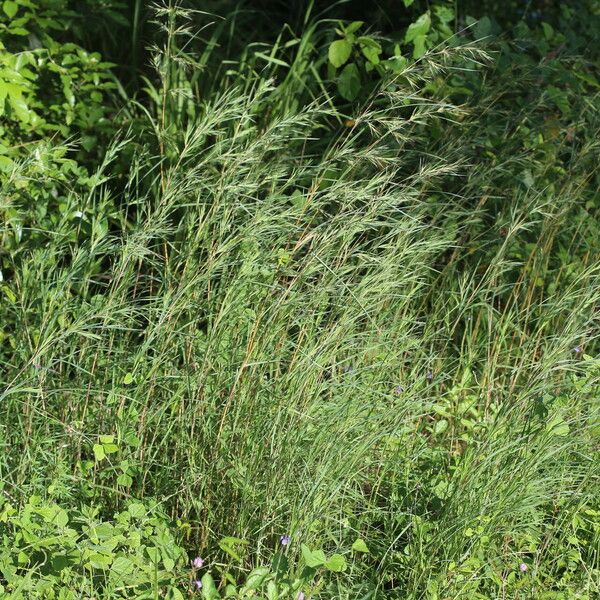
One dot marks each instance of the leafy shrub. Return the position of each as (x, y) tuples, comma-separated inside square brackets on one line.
[(50, 552), (55, 122), (48, 89)]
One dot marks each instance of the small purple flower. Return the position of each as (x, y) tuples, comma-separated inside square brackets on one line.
[(37, 366), (285, 540), (577, 349), (197, 584), (429, 375), (198, 563), (398, 390), (348, 369), (300, 595), (523, 568)]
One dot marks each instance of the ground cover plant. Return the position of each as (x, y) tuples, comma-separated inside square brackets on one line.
[(299, 303)]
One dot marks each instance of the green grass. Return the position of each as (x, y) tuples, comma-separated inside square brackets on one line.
[(293, 326)]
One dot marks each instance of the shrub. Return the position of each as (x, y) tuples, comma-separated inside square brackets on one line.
[(51, 552)]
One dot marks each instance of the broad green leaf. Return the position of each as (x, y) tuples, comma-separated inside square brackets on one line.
[(6, 164), (419, 44), (442, 489), (279, 564), (339, 52), (312, 558), (483, 28), (102, 531), (174, 594), (407, 3), (153, 555), (440, 426), (527, 178), (234, 540), (336, 563), (370, 48), (272, 591), (133, 440), (107, 439), (256, 578), (354, 27), (124, 480), (587, 77), (419, 28), (396, 64), (360, 546), (349, 82), (137, 510), (62, 518), (227, 544), (128, 379), (100, 561), (121, 567), (371, 55), (445, 14), (10, 8), (557, 426), (298, 199), (209, 589), (99, 453), (18, 104), (560, 99), (67, 85)]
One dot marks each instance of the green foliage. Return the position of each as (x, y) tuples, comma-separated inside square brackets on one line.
[(342, 284), (50, 552), (48, 88), (280, 580), (380, 56), (366, 57), (51, 92)]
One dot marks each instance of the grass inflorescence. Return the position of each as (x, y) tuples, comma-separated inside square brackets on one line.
[(277, 322)]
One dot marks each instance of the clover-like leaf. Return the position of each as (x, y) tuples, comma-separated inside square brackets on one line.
[(336, 563), (10, 8), (360, 546), (339, 52), (349, 82)]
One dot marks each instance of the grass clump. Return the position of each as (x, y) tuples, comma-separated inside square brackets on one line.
[(359, 350)]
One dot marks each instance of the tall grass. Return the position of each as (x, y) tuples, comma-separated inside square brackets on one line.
[(290, 330)]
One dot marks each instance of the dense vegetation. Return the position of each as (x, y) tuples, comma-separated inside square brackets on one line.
[(299, 299)]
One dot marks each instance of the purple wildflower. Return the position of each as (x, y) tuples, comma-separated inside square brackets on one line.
[(398, 390), (300, 595), (577, 349), (348, 369), (429, 375), (197, 584), (523, 567), (285, 540), (198, 563)]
